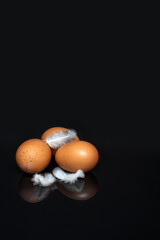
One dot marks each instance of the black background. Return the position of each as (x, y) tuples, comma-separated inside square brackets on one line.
[(107, 91)]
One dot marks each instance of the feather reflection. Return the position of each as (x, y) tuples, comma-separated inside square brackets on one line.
[(31, 193), (83, 189)]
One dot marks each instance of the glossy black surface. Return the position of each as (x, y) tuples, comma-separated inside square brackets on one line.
[(124, 199), (121, 200)]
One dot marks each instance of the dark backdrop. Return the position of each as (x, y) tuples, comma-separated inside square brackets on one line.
[(112, 99)]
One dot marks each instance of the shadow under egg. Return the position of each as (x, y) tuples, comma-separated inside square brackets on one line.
[(50, 166), (30, 193), (82, 189)]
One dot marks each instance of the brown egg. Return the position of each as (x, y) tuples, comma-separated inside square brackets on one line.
[(77, 155), (31, 193), (33, 156), (51, 131), (82, 189)]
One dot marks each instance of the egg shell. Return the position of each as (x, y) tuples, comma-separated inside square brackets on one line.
[(33, 156), (51, 131), (77, 155)]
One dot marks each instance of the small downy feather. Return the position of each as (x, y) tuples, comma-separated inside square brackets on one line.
[(43, 181), (67, 177), (60, 138), (50, 179)]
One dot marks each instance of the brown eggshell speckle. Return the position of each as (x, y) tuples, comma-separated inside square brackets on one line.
[(33, 156), (51, 131), (77, 155)]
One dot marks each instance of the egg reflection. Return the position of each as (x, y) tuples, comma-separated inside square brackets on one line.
[(83, 189), (31, 193)]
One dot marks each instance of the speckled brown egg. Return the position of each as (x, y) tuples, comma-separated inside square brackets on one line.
[(51, 131), (33, 156), (77, 155)]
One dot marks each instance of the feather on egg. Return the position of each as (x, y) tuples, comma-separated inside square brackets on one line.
[(60, 138)]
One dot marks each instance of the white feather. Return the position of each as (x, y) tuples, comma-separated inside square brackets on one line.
[(60, 138), (67, 177), (44, 181)]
